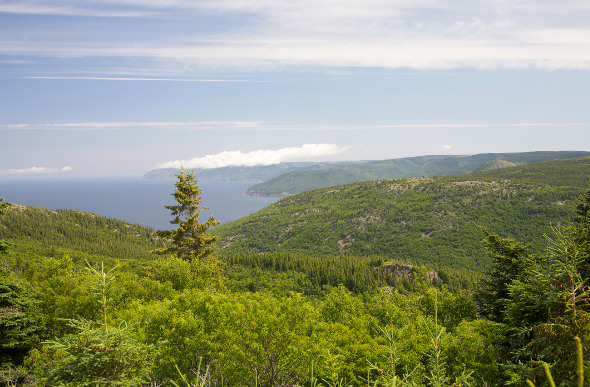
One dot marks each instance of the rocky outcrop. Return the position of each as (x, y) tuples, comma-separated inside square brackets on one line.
[(407, 272), (400, 271)]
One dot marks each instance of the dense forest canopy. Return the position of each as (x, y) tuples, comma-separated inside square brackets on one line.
[(83, 301), (432, 221)]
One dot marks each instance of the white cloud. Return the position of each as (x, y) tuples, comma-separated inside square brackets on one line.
[(444, 147), (34, 170), (419, 34), (258, 157), (57, 8), (163, 125), (145, 79), (266, 126)]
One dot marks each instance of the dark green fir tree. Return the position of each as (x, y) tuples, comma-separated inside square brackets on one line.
[(189, 240)]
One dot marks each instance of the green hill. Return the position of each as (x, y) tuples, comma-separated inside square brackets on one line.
[(432, 220), (39, 236), (330, 174), (81, 235)]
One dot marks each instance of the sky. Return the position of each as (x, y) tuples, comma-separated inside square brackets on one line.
[(120, 87)]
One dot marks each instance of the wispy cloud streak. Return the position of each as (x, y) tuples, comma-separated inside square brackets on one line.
[(270, 34), (267, 126), (144, 79), (61, 9), (34, 170)]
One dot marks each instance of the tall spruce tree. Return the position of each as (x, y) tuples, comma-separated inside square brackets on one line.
[(18, 320), (544, 300), (581, 226), (189, 240), (511, 262)]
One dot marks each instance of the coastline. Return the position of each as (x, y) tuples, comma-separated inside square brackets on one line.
[(277, 196)]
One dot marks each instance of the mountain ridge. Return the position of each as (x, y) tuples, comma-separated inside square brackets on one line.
[(432, 220), (324, 175)]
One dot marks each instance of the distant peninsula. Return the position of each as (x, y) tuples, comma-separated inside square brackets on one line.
[(256, 173), (285, 179)]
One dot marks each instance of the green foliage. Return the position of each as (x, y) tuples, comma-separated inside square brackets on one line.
[(92, 357), (188, 240), (200, 379), (438, 375), (429, 221), (447, 308), (13, 376), (240, 337), (581, 232), (62, 292), (181, 274), (101, 286), (4, 244), (545, 301), (331, 174), (511, 261), (579, 367), (566, 296), (19, 320), (94, 354), (390, 374), (313, 275), (82, 235), (291, 318), (270, 338), (480, 346)]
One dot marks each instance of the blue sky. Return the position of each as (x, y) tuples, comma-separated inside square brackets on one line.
[(118, 87)]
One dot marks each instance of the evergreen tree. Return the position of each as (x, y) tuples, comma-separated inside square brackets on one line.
[(583, 210), (581, 231), (189, 240), (550, 307), (19, 323), (4, 245), (511, 262), (96, 354), (543, 300)]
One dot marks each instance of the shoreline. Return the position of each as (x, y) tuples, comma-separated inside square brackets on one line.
[(279, 196)]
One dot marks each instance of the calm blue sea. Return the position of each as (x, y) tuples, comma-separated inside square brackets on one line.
[(132, 199)]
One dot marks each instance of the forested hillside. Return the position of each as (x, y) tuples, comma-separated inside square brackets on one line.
[(84, 303), (86, 237), (331, 174), (432, 220), (82, 235)]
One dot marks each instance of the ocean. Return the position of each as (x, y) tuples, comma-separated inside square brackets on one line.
[(134, 200)]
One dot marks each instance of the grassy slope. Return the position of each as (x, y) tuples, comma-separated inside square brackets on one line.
[(331, 174), (429, 220)]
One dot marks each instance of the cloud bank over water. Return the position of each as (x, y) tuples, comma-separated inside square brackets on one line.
[(257, 157)]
